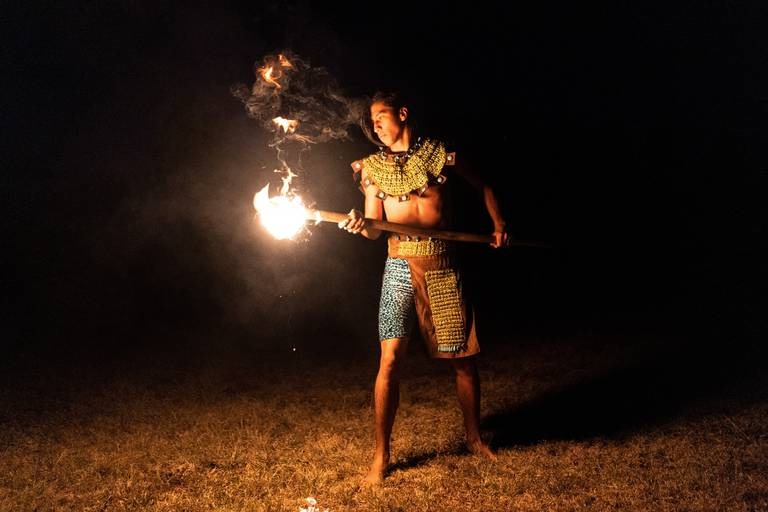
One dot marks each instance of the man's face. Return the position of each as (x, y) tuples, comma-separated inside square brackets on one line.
[(388, 124)]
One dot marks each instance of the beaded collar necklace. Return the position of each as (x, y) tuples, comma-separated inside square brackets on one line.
[(400, 158), (411, 171)]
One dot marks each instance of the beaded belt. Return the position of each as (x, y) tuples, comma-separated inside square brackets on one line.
[(404, 246)]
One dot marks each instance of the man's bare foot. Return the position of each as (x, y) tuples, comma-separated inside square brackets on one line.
[(478, 447), (375, 476)]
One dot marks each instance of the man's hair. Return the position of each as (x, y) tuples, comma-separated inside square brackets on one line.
[(394, 99)]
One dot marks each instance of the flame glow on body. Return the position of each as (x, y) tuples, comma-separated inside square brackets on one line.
[(282, 216)]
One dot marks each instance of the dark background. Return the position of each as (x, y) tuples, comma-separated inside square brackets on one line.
[(630, 137)]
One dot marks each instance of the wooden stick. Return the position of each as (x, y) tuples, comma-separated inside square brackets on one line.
[(326, 216)]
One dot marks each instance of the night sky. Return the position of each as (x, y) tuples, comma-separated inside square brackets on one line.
[(630, 137)]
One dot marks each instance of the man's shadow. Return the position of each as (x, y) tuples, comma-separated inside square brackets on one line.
[(659, 386), (688, 380)]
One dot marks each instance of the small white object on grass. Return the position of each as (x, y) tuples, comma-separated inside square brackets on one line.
[(312, 506)]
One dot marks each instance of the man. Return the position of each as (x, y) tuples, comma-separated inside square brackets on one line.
[(405, 181)]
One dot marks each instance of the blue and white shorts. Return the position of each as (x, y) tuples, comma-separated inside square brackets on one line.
[(397, 311)]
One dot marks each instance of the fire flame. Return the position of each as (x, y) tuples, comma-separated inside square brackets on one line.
[(288, 125), (267, 75), (282, 216), (271, 73)]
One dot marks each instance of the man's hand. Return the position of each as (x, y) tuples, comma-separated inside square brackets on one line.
[(355, 222), (501, 240)]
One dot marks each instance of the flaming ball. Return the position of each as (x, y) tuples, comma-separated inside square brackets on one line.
[(282, 216)]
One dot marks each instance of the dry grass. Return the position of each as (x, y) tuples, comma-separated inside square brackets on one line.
[(579, 424)]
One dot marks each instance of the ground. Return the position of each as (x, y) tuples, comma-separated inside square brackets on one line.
[(582, 421)]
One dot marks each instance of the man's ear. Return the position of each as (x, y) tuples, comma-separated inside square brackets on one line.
[(403, 114)]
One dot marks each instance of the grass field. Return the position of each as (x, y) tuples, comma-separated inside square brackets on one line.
[(589, 422)]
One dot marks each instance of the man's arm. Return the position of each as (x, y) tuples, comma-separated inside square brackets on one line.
[(491, 202), (374, 209)]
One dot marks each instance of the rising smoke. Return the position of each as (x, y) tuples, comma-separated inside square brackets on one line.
[(301, 107), (287, 86), (299, 104)]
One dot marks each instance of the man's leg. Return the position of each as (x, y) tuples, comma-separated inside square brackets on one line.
[(386, 397), (468, 389)]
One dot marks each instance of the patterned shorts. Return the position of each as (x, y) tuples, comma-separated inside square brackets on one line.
[(396, 310)]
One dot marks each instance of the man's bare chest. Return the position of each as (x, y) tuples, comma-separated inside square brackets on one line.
[(424, 210)]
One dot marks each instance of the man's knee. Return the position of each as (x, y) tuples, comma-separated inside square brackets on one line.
[(465, 367), (392, 355)]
